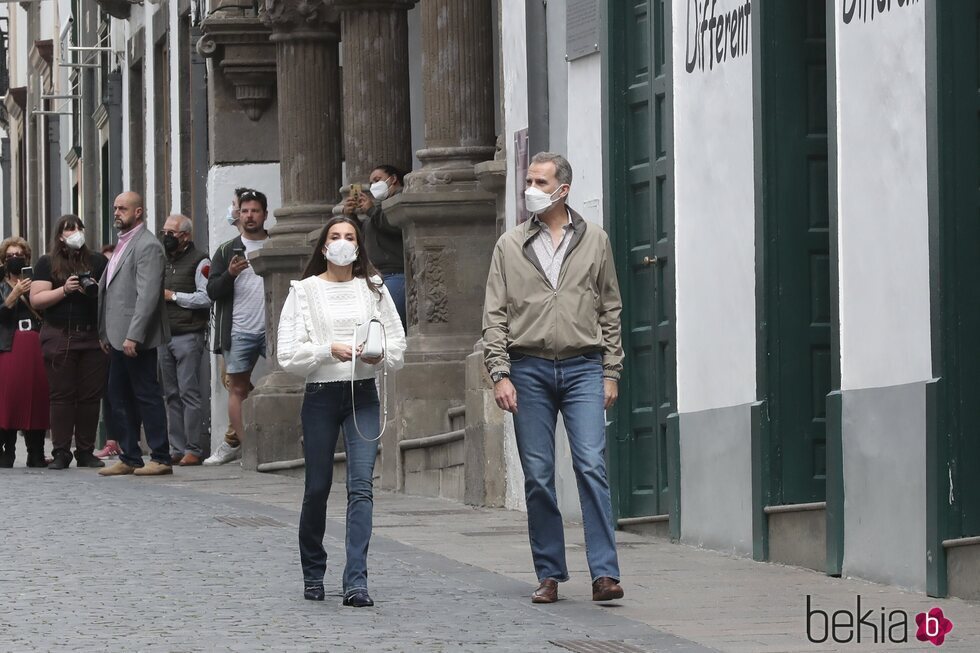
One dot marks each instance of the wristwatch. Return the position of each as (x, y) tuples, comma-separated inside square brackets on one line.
[(497, 377)]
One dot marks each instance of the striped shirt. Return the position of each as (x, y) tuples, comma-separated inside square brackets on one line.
[(549, 256)]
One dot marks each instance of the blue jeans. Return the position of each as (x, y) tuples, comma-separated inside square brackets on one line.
[(395, 283), (136, 399), (327, 407), (575, 387)]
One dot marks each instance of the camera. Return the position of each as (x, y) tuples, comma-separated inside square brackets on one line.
[(89, 285)]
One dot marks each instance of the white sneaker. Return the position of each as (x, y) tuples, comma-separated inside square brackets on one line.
[(225, 453)]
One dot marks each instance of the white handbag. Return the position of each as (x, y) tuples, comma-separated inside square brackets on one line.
[(369, 336)]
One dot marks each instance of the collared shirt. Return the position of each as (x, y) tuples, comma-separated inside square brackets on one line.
[(121, 245), (549, 256)]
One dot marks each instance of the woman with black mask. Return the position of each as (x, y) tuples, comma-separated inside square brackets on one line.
[(66, 287), (23, 382)]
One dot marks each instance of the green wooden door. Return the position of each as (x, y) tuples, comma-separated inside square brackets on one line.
[(959, 186), (642, 230), (797, 300)]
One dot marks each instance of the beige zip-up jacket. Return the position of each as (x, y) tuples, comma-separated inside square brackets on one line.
[(524, 315)]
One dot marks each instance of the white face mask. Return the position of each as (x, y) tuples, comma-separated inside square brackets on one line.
[(380, 189), (230, 216), (538, 201), (76, 240), (341, 252)]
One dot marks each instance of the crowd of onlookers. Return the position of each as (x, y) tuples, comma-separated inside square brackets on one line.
[(121, 333)]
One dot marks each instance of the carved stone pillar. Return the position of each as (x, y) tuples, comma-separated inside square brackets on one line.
[(306, 35), (377, 116), (447, 219)]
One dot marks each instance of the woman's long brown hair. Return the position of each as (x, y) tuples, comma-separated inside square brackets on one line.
[(66, 261), (362, 267)]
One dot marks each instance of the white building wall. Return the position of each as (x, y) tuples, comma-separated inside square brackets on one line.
[(714, 236), (714, 221), (882, 199), (149, 127), (176, 92)]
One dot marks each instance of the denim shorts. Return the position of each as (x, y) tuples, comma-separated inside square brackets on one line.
[(244, 353)]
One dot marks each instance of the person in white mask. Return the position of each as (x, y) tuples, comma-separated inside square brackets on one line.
[(65, 288), (339, 290), (382, 239), (551, 333)]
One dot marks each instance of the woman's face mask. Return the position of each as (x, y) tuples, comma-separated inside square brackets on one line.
[(75, 240), (340, 252), (14, 264)]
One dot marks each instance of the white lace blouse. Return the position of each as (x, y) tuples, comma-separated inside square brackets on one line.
[(318, 313)]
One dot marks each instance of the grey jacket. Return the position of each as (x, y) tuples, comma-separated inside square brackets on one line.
[(131, 306)]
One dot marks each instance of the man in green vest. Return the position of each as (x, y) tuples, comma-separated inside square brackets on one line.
[(188, 311)]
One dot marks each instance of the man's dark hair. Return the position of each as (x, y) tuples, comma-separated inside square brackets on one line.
[(249, 195), (391, 171), (239, 191)]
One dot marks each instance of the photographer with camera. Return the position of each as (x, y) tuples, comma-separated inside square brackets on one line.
[(66, 288), (23, 381), (320, 339)]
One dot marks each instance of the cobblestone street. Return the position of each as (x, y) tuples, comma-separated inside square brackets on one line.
[(206, 560)]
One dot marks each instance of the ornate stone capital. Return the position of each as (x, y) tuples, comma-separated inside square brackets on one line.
[(241, 47), (302, 18)]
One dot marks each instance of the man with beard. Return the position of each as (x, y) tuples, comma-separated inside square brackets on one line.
[(188, 312), (132, 324), (239, 299)]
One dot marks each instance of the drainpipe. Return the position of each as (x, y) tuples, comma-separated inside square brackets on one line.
[(536, 19)]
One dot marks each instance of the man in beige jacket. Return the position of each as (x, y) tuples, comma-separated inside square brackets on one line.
[(551, 328)]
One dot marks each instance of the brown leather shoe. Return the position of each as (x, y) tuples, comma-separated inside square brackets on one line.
[(547, 592), (189, 460), (176, 458), (606, 589), (119, 469), (153, 468)]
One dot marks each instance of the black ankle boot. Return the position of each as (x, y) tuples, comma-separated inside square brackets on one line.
[(35, 448), (87, 459), (62, 458)]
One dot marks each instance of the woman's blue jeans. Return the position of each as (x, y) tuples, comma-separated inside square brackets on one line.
[(326, 408), (574, 387)]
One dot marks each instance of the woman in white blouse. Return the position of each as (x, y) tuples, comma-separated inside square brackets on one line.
[(339, 290)]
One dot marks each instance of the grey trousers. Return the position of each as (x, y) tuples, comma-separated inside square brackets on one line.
[(180, 365)]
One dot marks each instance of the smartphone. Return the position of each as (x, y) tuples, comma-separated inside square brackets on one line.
[(239, 251), (356, 189), (27, 273)]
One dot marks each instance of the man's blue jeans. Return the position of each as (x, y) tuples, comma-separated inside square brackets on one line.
[(327, 407), (395, 283), (575, 388)]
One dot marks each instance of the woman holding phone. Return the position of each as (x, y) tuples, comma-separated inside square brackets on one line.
[(66, 282), (340, 289), (23, 381)]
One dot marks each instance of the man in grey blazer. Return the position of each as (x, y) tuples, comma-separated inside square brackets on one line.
[(132, 324)]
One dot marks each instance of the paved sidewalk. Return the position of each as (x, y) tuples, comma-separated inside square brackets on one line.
[(165, 564)]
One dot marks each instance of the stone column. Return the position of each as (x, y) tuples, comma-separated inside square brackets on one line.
[(377, 115), (448, 220), (306, 34)]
